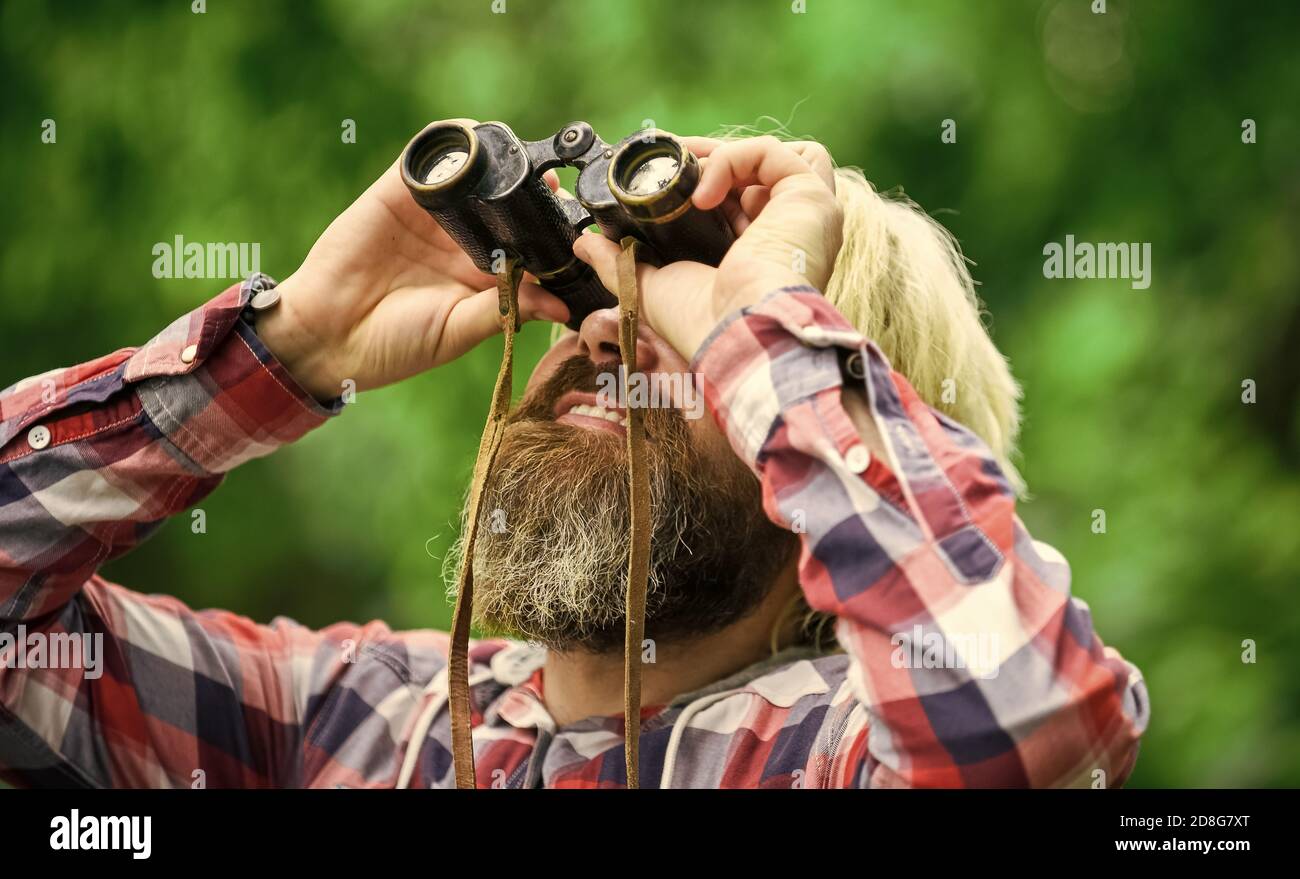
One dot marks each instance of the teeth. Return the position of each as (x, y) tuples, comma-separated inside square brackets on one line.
[(599, 412)]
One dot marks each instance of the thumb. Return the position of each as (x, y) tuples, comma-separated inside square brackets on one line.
[(602, 255), (478, 317)]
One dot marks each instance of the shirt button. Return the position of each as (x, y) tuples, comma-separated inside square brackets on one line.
[(189, 353), (265, 299), (854, 367), (858, 459), (38, 437)]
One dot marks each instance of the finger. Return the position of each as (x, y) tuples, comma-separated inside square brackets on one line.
[(470, 321), (702, 146), (816, 155), (753, 200), (740, 208), (601, 254), (760, 160), (734, 211), (818, 158), (478, 317), (536, 303), (552, 180)]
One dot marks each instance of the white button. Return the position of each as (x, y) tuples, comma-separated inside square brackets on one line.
[(265, 299), (38, 437), (858, 459), (190, 352)]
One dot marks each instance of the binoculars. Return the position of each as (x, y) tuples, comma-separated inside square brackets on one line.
[(484, 186)]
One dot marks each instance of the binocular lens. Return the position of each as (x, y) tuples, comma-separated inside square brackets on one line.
[(651, 175), (445, 165), (653, 178), (438, 164)]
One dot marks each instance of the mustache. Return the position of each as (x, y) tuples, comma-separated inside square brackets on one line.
[(581, 373)]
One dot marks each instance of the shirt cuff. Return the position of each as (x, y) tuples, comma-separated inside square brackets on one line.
[(762, 359), (216, 392)]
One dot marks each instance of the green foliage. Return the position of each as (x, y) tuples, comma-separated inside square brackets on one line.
[(225, 126)]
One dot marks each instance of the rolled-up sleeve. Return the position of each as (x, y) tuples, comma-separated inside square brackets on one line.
[(974, 663)]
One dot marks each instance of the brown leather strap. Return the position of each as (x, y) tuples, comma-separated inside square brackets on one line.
[(638, 569), (462, 743), (638, 562)]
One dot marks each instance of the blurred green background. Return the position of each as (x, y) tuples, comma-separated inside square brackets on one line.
[(225, 126)]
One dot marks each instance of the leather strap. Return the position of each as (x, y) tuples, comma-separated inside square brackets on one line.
[(638, 560), (638, 571), (462, 743)]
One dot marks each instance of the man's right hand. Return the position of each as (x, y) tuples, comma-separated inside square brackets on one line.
[(385, 294)]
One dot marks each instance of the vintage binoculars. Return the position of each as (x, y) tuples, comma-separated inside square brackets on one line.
[(484, 186)]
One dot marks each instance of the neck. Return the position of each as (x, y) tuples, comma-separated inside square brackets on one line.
[(578, 684)]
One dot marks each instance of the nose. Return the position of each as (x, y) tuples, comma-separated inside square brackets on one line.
[(598, 341)]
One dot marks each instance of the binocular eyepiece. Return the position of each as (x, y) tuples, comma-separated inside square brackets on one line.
[(484, 186)]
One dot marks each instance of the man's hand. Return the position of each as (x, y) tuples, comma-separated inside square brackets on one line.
[(780, 198), (385, 294)]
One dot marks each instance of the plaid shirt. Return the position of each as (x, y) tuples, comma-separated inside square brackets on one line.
[(966, 662)]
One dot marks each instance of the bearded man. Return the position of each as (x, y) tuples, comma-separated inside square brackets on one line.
[(840, 591)]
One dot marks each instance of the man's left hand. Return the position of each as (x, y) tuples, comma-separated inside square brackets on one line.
[(780, 199)]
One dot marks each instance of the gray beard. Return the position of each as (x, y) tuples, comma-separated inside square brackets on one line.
[(551, 556)]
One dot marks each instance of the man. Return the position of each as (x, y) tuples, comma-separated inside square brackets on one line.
[(822, 492)]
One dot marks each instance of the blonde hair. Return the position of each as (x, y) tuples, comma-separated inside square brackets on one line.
[(901, 279)]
